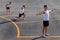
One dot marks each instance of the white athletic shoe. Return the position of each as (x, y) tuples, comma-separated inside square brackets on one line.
[(43, 35), (15, 18), (47, 34)]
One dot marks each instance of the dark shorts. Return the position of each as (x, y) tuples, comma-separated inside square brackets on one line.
[(7, 7), (45, 23), (21, 14)]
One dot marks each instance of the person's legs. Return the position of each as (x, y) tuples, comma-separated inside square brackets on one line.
[(43, 32), (23, 15), (45, 28), (46, 31), (19, 15), (8, 10)]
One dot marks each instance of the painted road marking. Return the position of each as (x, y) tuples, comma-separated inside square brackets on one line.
[(18, 30), (10, 15), (26, 22), (30, 22), (39, 36)]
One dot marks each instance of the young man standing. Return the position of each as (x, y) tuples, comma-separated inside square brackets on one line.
[(45, 20)]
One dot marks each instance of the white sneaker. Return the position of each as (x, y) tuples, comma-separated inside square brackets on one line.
[(43, 35), (47, 34)]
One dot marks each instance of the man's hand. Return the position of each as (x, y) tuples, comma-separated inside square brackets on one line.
[(53, 9), (38, 14)]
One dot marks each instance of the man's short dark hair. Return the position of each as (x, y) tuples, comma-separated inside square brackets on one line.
[(10, 2), (24, 6), (45, 5)]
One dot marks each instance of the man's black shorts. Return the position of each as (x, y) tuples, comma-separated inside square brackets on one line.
[(45, 23), (21, 14), (7, 7)]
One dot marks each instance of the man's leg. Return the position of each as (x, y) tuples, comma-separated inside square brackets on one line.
[(19, 16), (43, 32), (46, 29), (23, 15)]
